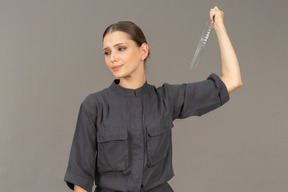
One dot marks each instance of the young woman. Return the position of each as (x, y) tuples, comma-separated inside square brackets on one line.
[(122, 140)]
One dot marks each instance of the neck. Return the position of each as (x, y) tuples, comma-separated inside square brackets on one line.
[(132, 83)]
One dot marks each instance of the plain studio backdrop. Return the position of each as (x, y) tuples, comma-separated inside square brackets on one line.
[(51, 59)]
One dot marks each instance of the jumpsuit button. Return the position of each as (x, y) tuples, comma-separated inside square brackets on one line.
[(142, 186)]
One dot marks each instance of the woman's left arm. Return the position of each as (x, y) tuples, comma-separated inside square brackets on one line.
[(231, 75)]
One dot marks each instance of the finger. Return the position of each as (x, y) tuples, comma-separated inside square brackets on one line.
[(214, 12), (212, 15)]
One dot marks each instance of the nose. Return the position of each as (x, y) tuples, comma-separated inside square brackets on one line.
[(113, 57)]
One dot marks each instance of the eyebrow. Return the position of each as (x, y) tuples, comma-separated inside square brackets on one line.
[(114, 46)]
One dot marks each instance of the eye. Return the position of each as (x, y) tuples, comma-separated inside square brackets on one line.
[(107, 53), (121, 48)]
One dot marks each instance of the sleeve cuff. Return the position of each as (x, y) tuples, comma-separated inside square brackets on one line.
[(72, 180), (223, 92)]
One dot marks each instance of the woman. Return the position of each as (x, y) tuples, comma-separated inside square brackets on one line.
[(122, 140)]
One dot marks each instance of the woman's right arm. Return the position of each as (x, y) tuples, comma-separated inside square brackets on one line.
[(81, 164), (78, 189)]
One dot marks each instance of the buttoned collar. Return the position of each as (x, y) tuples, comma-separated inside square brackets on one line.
[(129, 92)]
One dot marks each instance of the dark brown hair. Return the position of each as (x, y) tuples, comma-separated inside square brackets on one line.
[(135, 33)]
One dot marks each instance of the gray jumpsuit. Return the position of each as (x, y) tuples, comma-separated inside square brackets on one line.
[(122, 140)]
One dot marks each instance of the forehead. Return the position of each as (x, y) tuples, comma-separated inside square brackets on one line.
[(115, 37)]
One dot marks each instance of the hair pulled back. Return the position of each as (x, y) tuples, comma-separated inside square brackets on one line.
[(135, 33)]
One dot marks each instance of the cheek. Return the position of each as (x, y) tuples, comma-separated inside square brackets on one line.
[(107, 61), (132, 56)]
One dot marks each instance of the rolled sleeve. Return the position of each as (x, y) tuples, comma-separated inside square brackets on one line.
[(72, 179), (221, 87), (81, 164), (196, 99)]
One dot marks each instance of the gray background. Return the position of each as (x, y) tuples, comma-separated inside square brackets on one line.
[(51, 59)]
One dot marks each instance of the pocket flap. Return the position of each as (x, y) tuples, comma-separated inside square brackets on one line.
[(160, 127), (104, 135)]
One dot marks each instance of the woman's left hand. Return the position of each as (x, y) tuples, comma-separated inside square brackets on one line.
[(217, 17)]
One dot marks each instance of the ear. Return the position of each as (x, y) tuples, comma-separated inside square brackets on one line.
[(144, 50)]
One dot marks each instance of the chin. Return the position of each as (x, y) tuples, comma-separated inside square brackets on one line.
[(118, 75)]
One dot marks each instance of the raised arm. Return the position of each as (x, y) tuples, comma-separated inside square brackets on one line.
[(230, 70)]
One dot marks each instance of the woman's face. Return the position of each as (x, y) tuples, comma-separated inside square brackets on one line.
[(122, 55)]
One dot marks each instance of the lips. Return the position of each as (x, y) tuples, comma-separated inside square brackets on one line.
[(116, 67)]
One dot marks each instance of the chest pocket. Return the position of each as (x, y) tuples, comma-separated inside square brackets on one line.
[(158, 140), (112, 153)]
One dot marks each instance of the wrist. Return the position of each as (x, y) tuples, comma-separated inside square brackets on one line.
[(220, 29)]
